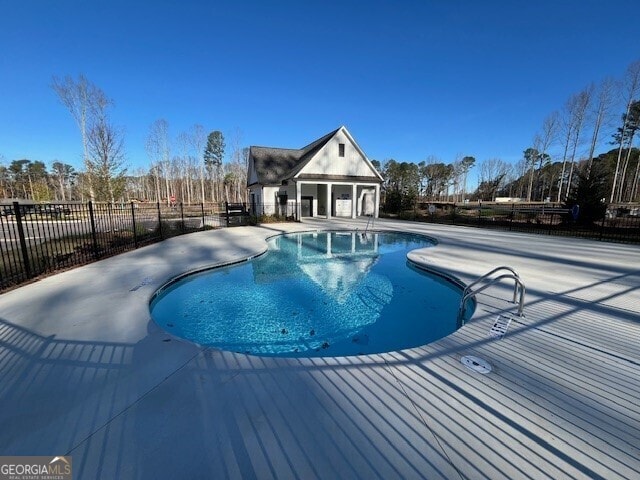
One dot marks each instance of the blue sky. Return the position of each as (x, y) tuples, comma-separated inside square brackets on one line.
[(408, 78)]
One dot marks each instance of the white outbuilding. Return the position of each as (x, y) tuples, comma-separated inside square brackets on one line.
[(330, 177)]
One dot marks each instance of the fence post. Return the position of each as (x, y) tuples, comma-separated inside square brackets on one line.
[(110, 211), (23, 241), (226, 204), (93, 230), (202, 210), (513, 214), (183, 227), (133, 222), (602, 225), (159, 221)]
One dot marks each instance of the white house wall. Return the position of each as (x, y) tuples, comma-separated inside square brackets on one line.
[(327, 161), (270, 194)]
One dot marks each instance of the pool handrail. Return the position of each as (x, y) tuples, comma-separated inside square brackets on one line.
[(488, 274), (518, 286)]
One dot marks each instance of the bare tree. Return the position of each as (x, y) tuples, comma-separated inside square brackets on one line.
[(582, 101), (156, 172), (105, 165), (636, 181), (600, 113), (5, 183), (631, 89), (567, 128), (137, 185), (87, 104), (543, 141), (159, 151), (176, 177), (184, 144), (632, 123), (238, 168), (493, 173), (63, 175), (520, 169), (575, 114), (198, 138)]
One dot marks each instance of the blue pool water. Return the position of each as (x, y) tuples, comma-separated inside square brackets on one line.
[(315, 294)]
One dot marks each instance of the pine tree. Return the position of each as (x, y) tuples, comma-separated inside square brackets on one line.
[(213, 156)]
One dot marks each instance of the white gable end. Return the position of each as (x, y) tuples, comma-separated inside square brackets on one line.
[(328, 162)]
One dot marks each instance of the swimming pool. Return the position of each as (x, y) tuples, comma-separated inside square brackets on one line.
[(314, 294)]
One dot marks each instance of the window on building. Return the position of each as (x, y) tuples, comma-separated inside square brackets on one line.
[(341, 149)]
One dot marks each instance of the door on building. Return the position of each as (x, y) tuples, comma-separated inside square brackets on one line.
[(253, 204), (306, 206)]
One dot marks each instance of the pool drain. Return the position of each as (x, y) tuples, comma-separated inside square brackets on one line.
[(476, 364)]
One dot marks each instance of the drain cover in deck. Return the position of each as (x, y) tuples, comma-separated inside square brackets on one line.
[(476, 364)]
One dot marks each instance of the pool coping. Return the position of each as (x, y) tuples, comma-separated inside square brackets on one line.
[(414, 413)]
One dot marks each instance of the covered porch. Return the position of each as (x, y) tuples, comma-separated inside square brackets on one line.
[(337, 199)]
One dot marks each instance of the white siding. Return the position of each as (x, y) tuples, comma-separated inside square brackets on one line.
[(327, 161), (270, 195)]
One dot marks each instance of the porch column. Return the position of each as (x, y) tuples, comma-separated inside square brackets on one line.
[(299, 201), (329, 200), (377, 201), (354, 200)]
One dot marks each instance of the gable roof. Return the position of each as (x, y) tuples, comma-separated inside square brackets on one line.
[(273, 165)]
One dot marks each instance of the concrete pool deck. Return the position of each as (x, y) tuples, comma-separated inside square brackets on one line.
[(84, 371)]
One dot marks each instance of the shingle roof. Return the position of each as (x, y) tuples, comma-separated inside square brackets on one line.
[(273, 165)]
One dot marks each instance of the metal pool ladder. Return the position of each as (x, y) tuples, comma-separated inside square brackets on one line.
[(369, 221), (511, 274)]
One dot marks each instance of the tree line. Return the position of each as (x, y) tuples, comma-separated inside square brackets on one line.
[(407, 182), (188, 168), (608, 109), (193, 167), (561, 156)]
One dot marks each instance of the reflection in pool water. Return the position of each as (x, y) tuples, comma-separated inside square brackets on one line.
[(314, 294)]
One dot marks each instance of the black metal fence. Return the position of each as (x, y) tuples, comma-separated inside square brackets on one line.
[(618, 225), (275, 212), (39, 239)]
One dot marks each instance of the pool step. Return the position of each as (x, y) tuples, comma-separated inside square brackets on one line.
[(500, 326)]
